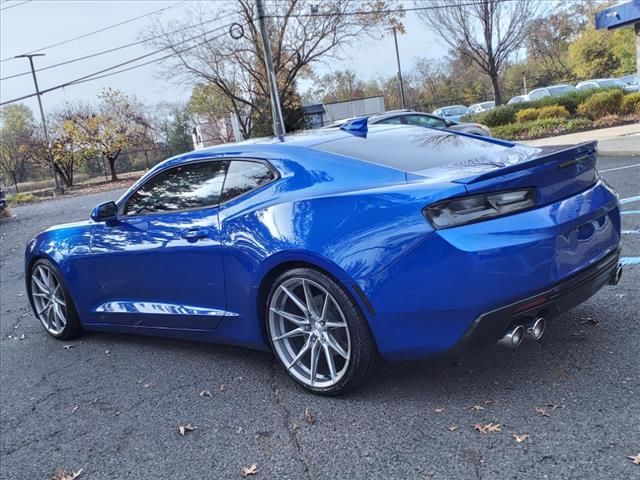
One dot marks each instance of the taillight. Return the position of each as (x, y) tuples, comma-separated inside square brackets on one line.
[(465, 210)]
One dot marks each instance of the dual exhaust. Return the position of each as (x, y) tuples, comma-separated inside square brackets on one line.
[(531, 330)]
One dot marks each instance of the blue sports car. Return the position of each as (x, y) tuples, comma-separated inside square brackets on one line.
[(337, 248)]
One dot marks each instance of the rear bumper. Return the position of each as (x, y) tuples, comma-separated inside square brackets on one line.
[(429, 301), (489, 327)]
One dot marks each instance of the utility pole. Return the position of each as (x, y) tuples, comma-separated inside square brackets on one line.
[(276, 110), (395, 37), (30, 56)]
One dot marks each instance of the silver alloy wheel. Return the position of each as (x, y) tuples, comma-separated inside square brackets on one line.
[(48, 299), (309, 332)]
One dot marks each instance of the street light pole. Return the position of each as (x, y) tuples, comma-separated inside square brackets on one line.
[(44, 120), (276, 110), (395, 37)]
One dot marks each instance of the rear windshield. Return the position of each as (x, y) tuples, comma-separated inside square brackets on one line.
[(412, 149)]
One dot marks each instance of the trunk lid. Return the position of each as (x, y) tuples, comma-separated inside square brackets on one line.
[(556, 172)]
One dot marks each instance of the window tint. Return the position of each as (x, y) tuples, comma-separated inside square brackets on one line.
[(179, 188), (244, 176), (538, 94), (391, 121), (425, 121)]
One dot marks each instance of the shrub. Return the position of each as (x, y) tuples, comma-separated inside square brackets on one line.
[(601, 104), (540, 128), (21, 198), (630, 103), (502, 115), (552, 111), (527, 115)]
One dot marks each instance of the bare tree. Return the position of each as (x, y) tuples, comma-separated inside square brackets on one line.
[(486, 31), (302, 34)]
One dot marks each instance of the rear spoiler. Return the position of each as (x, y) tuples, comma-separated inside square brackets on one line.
[(565, 155)]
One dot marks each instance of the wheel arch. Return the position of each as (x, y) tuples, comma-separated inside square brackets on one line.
[(327, 268)]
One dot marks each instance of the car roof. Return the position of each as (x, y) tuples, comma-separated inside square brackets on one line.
[(354, 145)]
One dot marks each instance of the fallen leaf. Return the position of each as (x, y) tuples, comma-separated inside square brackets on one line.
[(590, 321), (438, 409), (205, 393), (554, 406), (488, 428), (107, 352), (68, 347), (183, 429), (477, 408), (520, 438), (246, 471), (489, 402), (542, 411), (222, 387), (579, 333), (294, 427), (147, 385), (74, 409), (453, 428), (60, 474), (20, 294), (636, 459), (310, 417), (620, 295), (22, 337)]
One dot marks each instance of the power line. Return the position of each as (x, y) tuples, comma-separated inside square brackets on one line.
[(108, 27), (15, 5), (97, 75), (121, 47)]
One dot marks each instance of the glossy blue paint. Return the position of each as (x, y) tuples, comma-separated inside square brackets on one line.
[(355, 218)]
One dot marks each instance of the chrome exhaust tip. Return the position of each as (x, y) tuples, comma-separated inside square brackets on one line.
[(534, 330), (616, 275), (513, 337)]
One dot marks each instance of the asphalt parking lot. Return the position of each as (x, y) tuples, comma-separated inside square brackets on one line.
[(112, 404)]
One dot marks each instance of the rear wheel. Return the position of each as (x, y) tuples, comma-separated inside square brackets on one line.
[(51, 301), (318, 333)]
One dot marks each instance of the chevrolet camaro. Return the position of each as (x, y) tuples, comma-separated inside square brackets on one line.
[(335, 249)]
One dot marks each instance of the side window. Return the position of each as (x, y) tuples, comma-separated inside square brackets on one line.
[(425, 121), (391, 121), (244, 176), (188, 186)]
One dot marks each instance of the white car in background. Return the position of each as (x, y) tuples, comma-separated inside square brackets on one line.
[(452, 112), (482, 107), (631, 83), (553, 91), (518, 99), (600, 83)]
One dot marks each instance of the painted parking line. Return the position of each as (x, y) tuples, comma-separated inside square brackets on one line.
[(630, 260), (630, 212), (620, 168), (624, 201)]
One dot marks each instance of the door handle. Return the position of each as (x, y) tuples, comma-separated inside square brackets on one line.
[(195, 234)]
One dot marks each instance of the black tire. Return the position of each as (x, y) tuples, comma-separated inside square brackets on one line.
[(364, 357), (73, 327)]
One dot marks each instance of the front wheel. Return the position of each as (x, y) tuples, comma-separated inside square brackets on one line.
[(52, 302), (318, 333)]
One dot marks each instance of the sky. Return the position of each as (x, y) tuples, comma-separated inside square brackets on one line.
[(31, 25)]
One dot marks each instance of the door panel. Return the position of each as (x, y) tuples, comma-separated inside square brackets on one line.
[(160, 264)]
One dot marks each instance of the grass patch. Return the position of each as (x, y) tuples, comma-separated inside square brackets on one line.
[(19, 198)]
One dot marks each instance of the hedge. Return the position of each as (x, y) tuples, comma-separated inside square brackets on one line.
[(630, 103), (601, 104), (527, 115), (505, 114), (540, 128), (553, 111)]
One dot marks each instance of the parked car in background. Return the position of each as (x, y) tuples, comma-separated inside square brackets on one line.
[(453, 112), (517, 99), (553, 91), (600, 83), (482, 107), (4, 211), (419, 119), (630, 83)]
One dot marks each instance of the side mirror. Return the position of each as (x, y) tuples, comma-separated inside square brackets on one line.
[(105, 212)]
